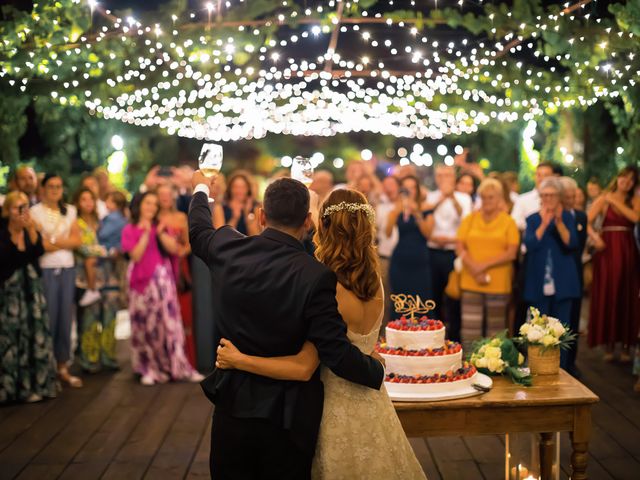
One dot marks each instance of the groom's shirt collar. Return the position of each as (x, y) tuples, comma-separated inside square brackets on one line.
[(281, 237)]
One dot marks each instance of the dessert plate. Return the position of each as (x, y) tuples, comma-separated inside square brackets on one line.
[(484, 381)]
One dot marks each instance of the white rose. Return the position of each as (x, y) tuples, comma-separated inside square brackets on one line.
[(549, 340), (524, 329), (495, 364), (493, 352), (481, 362), (535, 334), (558, 329)]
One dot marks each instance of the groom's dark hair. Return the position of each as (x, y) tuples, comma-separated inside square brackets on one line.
[(286, 203)]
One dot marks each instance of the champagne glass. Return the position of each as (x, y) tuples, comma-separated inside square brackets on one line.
[(302, 170), (210, 159)]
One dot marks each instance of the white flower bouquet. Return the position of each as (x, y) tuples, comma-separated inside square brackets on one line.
[(544, 336), (546, 332), (499, 356)]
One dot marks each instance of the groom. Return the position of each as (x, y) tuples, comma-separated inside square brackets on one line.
[(269, 297)]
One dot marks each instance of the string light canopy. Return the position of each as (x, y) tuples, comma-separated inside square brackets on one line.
[(240, 69)]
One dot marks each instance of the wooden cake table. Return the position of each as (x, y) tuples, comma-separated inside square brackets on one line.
[(555, 403)]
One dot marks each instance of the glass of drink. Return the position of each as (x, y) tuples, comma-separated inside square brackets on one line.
[(302, 170), (210, 159)]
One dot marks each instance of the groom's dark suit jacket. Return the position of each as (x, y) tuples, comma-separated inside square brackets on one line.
[(269, 296)]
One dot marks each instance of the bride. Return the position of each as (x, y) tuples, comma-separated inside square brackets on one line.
[(360, 434)]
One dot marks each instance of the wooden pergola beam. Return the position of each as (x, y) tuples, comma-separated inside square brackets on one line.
[(333, 41)]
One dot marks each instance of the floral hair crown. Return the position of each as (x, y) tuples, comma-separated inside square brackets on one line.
[(351, 207)]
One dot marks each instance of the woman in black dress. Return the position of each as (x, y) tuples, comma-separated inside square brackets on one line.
[(27, 366), (409, 266)]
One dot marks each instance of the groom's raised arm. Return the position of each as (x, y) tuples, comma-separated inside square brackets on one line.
[(201, 231), (328, 333)]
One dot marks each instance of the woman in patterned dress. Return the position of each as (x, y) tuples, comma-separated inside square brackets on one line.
[(178, 228), (157, 335), (97, 345), (27, 366)]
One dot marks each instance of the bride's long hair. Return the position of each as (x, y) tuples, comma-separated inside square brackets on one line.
[(345, 242)]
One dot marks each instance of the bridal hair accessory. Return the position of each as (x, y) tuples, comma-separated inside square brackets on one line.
[(351, 207)]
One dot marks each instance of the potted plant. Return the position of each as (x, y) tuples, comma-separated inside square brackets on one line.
[(544, 336)]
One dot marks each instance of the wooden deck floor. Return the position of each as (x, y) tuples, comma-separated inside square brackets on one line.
[(116, 429)]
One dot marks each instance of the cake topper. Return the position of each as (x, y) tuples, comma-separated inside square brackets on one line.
[(410, 304)]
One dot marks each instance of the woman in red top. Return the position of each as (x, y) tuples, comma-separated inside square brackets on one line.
[(615, 305)]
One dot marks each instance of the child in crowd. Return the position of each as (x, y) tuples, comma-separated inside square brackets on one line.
[(89, 250), (110, 232)]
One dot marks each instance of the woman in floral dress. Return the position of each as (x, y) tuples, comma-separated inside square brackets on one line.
[(27, 366), (157, 334)]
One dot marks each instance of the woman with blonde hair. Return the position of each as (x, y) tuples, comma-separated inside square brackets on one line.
[(488, 242), (27, 366), (355, 418)]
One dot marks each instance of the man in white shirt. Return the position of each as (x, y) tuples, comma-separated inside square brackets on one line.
[(529, 203), (450, 207), (386, 244)]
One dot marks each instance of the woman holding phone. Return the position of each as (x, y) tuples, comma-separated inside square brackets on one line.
[(409, 267), (27, 367)]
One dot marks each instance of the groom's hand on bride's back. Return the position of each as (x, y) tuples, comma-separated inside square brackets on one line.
[(200, 178)]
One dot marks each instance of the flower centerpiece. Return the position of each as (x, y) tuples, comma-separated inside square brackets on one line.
[(499, 356), (544, 336)]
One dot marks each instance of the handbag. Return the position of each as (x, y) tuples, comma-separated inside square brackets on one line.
[(453, 289)]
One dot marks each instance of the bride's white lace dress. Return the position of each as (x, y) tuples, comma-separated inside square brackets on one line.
[(360, 434)]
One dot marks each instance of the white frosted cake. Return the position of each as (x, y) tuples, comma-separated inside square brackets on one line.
[(420, 360)]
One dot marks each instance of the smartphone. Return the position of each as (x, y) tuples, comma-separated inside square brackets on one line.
[(165, 172)]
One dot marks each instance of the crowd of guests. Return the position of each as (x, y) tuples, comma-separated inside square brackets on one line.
[(79, 263), (476, 246)]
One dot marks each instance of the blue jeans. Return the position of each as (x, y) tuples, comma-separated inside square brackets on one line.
[(59, 289), (560, 309)]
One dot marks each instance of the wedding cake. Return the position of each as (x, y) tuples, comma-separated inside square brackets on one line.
[(418, 357)]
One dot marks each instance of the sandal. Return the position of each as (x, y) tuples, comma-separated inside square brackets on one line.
[(70, 380)]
